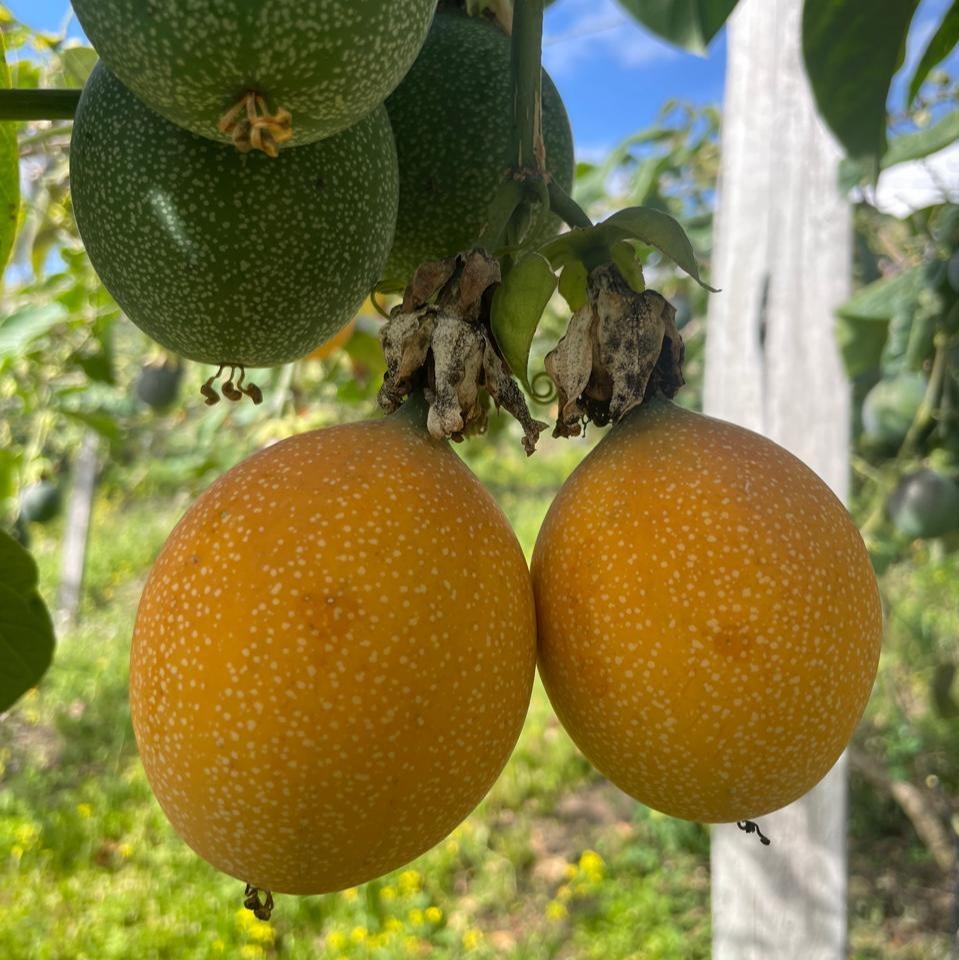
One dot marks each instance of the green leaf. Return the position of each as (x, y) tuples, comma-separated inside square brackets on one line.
[(573, 284), (689, 24), (518, 304), (9, 174), (25, 324), (103, 423), (659, 230), (939, 47), (26, 632), (865, 321), (882, 299), (77, 64), (861, 343), (852, 49), (628, 264), (915, 146)]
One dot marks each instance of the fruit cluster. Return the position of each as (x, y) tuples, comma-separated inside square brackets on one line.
[(334, 652), (244, 257)]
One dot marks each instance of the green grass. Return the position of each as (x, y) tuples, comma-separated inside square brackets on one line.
[(554, 863)]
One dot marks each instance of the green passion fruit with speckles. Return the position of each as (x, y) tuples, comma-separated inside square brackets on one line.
[(316, 66), (452, 116), (224, 257)]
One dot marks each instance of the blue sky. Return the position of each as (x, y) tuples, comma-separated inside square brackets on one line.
[(613, 75)]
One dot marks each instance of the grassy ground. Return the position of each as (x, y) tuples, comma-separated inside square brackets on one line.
[(555, 862)]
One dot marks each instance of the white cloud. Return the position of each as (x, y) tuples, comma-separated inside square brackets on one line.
[(597, 29)]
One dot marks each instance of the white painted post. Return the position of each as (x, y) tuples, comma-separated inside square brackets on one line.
[(783, 261), (77, 532)]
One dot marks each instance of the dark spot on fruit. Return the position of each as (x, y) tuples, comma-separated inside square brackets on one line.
[(319, 184)]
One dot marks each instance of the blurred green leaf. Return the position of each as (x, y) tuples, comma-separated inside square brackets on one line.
[(9, 174), (77, 63), (939, 47), (26, 632), (689, 24), (518, 304), (915, 146), (881, 299), (851, 50), (23, 325)]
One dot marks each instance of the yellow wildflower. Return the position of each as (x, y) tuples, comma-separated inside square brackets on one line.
[(335, 940), (434, 914), (556, 910), (415, 916), (592, 864), (85, 810), (349, 894), (359, 934), (250, 951), (262, 932), (27, 835), (388, 894), (564, 892), (125, 850), (410, 881), (472, 938)]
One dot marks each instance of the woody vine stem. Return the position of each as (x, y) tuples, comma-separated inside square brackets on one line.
[(527, 182)]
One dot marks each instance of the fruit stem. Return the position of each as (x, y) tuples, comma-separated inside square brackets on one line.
[(564, 206), (38, 104), (414, 409), (930, 402), (529, 150)]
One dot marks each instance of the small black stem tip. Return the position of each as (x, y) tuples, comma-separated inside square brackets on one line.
[(749, 827)]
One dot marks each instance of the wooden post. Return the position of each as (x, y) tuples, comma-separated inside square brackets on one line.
[(77, 531), (783, 261)]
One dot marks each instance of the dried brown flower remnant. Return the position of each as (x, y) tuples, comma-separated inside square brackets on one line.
[(439, 340), (620, 347)]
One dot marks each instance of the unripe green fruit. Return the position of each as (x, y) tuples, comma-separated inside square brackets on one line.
[(157, 385), (890, 408), (41, 502), (925, 504), (328, 62), (452, 116), (223, 257)]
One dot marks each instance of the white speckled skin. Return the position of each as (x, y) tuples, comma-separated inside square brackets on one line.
[(709, 621), (223, 257), (329, 62), (333, 657), (452, 117)]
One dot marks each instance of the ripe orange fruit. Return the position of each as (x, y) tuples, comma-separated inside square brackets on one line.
[(709, 622), (333, 657)]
